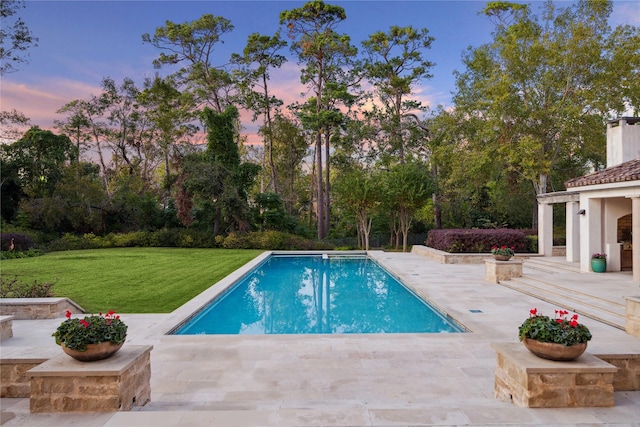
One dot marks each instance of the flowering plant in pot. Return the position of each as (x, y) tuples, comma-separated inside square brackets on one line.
[(80, 338), (560, 338), (599, 262), (502, 252)]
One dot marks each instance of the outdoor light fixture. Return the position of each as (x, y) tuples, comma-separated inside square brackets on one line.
[(582, 212)]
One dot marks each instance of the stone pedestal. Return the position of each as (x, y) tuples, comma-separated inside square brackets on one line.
[(63, 384), (495, 271), (632, 316), (533, 382)]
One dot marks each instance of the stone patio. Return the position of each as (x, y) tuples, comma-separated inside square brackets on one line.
[(354, 380)]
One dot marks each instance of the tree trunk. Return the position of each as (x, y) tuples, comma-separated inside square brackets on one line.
[(327, 207), (319, 192), (437, 211), (541, 188)]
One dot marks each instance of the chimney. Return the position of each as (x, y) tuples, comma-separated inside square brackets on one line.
[(623, 140)]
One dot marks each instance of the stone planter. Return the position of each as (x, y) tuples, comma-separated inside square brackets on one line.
[(598, 265), (93, 352), (553, 351), (502, 257)]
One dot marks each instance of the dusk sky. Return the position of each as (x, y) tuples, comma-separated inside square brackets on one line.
[(82, 42)]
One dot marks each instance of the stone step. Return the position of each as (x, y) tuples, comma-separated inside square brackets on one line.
[(603, 310), (550, 266)]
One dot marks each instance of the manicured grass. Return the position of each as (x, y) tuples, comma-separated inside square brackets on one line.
[(129, 280)]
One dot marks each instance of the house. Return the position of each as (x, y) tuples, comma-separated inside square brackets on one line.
[(602, 208)]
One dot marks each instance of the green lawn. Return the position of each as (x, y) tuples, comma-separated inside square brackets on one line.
[(129, 280)]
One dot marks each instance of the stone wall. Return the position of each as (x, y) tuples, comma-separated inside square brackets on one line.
[(38, 308), (6, 327), (14, 381), (628, 376), (457, 258)]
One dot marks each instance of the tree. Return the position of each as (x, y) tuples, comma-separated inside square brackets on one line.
[(259, 56), (289, 151), (408, 187), (324, 54), (129, 129), (541, 88), (76, 203), (10, 121), (39, 157), (170, 114), (15, 37), (358, 192), (394, 65), (194, 43), (217, 179), (85, 122)]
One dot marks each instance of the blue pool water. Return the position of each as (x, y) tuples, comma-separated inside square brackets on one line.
[(316, 295)]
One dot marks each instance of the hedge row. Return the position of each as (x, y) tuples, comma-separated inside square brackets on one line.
[(185, 238), (478, 241), (270, 240)]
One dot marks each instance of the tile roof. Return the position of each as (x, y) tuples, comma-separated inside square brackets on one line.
[(627, 171)]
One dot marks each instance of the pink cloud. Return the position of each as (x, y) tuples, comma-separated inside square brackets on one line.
[(40, 102)]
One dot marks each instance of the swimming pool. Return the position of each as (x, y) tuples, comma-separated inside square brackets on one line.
[(318, 294)]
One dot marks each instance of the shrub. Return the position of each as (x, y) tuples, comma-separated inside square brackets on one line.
[(476, 241), (21, 242), (20, 254), (532, 243), (14, 289)]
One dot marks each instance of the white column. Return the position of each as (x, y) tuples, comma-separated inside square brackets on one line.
[(573, 231), (590, 232), (545, 229), (635, 236)]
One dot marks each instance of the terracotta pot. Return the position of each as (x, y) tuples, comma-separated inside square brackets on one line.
[(502, 257), (93, 352), (553, 351)]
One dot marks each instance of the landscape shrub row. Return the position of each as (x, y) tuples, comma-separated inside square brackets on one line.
[(270, 240), (180, 238), (478, 241), (185, 238)]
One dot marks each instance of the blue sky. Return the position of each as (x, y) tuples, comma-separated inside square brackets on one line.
[(83, 41)]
